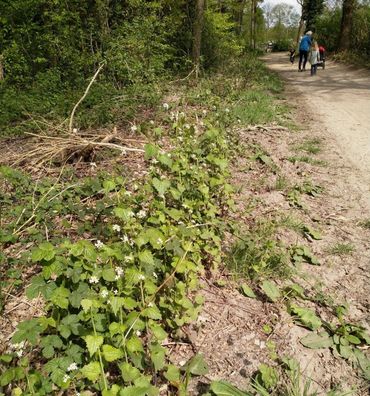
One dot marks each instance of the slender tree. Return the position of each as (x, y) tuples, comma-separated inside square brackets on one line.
[(348, 9), (197, 35)]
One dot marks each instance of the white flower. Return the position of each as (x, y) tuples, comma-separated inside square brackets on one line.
[(141, 214), (133, 128), (128, 193), (19, 353), (159, 241), (151, 122), (155, 275), (135, 187), (18, 345), (187, 126), (66, 378), (116, 227), (128, 258), (150, 305), (204, 112), (115, 291), (141, 277), (93, 279), (138, 333), (227, 110), (154, 161), (125, 239), (99, 244), (93, 164), (72, 366), (104, 293), (119, 271), (166, 106), (214, 107), (180, 139), (78, 394)]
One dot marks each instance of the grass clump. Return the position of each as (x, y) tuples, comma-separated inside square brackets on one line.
[(341, 249), (312, 146), (258, 254)]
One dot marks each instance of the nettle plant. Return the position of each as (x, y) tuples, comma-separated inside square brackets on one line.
[(110, 304)]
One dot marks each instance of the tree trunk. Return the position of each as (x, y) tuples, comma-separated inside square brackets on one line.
[(346, 24), (254, 23), (197, 35), (1, 68), (253, 27), (300, 30), (240, 17)]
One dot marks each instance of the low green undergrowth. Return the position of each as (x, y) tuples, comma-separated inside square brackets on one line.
[(112, 299)]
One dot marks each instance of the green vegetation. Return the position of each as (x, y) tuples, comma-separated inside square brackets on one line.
[(311, 146), (114, 258), (116, 261), (341, 249)]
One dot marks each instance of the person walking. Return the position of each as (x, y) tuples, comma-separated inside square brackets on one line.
[(304, 47), (314, 57)]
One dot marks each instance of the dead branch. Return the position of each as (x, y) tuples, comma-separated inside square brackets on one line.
[(83, 97)]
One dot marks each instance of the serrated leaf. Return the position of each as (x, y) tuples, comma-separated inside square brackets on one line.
[(123, 213), (45, 251), (161, 185), (93, 343), (146, 257), (317, 341), (59, 297), (158, 332), (247, 291), (152, 313), (113, 391), (28, 330), (129, 372), (150, 151), (196, 365), (108, 274), (109, 185), (111, 353), (222, 388), (36, 287), (172, 374), (157, 355), (134, 344), (91, 371), (271, 291), (155, 237)]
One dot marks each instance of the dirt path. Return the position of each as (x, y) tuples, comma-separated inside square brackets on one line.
[(340, 98)]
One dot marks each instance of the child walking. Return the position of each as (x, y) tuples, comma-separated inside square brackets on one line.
[(314, 57)]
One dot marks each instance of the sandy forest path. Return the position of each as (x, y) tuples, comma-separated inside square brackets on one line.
[(339, 98)]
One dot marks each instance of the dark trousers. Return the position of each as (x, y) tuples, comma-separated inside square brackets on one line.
[(313, 69), (302, 57)]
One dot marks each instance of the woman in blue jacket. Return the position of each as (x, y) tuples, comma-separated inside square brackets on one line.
[(304, 47)]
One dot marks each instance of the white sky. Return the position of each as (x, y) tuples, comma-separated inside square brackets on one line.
[(291, 2)]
